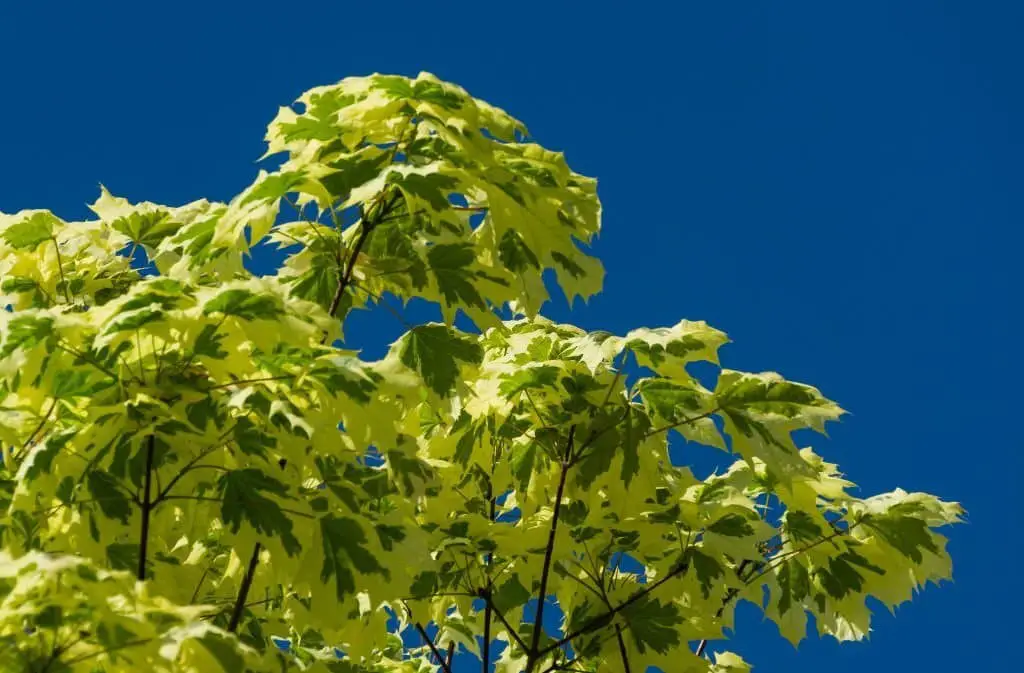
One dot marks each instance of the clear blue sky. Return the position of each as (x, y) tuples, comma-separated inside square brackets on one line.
[(836, 185)]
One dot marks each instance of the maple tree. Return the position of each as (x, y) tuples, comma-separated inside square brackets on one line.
[(200, 474)]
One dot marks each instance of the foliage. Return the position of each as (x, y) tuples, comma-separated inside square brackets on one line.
[(201, 475)]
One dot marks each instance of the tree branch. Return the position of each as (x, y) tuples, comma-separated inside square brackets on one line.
[(433, 648), (508, 627), (346, 278), (622, 648), (451, 654), (147, 507), (601, 620), (762, 568), (243, 591), (42, 424), (538, 625), (242, 382), (685, 421), (489, 607), (181, 473), (365, 229)]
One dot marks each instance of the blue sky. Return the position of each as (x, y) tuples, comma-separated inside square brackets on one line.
[(836, 185)]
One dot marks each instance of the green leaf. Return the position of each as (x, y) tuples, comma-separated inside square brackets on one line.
[(244, 304), (794, 583), (801, 527), (108, 494), (653, 625), (26, 331), (706, 568), (345, 554), (435, 351), (450, 265), (907, 534), (29, 231), (515, 254), (510, 594), (244, 498), (732, 525)]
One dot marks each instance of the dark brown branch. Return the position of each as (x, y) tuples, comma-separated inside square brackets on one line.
[(549, 550), (147, 507), (185, 470), (365, 229), (346, 278), (433, 648), (489, 607), (622, 649), (243, 591), (508, 627)]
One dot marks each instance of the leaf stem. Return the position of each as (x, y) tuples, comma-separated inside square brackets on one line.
[(60, 268)]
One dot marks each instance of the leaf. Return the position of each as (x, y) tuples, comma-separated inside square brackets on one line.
[(706, 568), (666, 350), (450, 265), (653, 624), (243, 499), (761, 410), (732, 525), (510, 594), (25, 331), (435, 351), (683, 405), (794, 585), (727, 662), (28, 229), (907, 534), (244, 304), (345, 554), (106, 491)]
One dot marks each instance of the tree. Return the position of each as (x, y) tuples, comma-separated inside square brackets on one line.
[(201, 475)]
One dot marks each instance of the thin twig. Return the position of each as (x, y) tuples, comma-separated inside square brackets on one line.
[(242, 382), (600, 620), (685, 421), (60, 268), (42, 423)]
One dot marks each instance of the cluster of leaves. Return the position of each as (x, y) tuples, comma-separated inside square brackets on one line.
[(199, 475)]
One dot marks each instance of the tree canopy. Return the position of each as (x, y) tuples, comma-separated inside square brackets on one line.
[(200, 473)]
